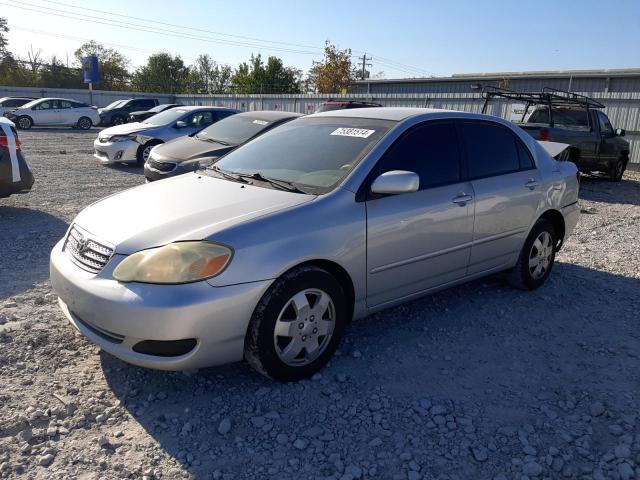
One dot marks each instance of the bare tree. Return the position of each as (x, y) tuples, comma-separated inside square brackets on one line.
[(34, 59)]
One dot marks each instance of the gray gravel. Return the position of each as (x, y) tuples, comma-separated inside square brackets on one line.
[(478, 382)]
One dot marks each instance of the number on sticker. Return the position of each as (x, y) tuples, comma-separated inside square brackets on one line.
[(353, 132)]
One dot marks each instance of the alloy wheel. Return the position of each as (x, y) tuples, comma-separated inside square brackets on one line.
[(540, 255), (304, 327)]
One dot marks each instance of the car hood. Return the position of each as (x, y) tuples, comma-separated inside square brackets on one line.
[(126, 129), (187, 148), (187, 207)]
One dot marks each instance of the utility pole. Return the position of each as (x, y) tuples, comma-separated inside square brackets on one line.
[(363, 73)]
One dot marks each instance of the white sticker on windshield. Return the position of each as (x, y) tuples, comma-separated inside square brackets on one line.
[(353, 132), (261, 122)]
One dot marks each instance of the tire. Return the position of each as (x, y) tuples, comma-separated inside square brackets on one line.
[(617, 170), (526, 275), (274, 356), (84, 123), (118, 120), (142, 155), (24, 122)]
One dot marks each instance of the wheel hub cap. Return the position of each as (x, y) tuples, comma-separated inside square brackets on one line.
[(540, 255), (304, 327)]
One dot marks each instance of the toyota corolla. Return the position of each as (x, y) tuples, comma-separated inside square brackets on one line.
[(269, 253)]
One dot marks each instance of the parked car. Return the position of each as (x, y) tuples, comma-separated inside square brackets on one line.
[(54, 112), (144, 114), (15, 174), (9, 103), (116, 113), (187, 154), (342, 104), (132, 142), (565, 117), (269, 253)]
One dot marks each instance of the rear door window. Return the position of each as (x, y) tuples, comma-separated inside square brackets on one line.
[(430, 150), (491, 149)]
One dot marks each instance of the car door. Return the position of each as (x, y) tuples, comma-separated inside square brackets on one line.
[(607, 148), (419, 240), (507, 189), (46, 113), (67, 115)]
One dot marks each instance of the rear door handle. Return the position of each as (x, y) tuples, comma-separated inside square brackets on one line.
[(531, 184), (462, 199)]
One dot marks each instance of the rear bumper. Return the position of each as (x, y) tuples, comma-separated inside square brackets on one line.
[(117, 316), (571, 214)]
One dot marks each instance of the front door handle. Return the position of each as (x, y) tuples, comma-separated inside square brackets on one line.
[(462, 199), (531, 184)]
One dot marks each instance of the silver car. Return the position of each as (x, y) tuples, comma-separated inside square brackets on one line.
[(269, 253), (132, 142)]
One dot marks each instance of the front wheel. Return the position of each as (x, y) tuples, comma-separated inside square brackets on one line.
[(25, 123), (297, 325), (144, 151), (84, 123), (536, 257), (617, 170)]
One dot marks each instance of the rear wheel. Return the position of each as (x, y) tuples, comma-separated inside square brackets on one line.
[(25, 123), (144, 151), (84, 123), (617, 170), (297, 325), (536, 258)]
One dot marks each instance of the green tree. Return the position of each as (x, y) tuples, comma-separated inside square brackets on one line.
[(206, 76), (272, 77), (113, 66), (4, 43), (334, 72), (56, 74), (162, 74)]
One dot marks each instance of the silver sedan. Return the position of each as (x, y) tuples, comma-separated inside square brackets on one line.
[(268, 254)]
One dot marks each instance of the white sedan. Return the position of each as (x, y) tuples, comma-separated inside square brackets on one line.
[(54, 111)]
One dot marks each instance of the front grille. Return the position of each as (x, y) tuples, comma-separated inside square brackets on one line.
[(86, 252), (161, 166), (102, 154)]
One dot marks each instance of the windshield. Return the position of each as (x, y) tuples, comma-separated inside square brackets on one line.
[(561, 116), (160, 108), (166, 117), (312, 153), (234, 130), (115, 104)]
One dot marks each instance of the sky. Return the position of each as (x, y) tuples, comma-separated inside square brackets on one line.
[(403, 38)]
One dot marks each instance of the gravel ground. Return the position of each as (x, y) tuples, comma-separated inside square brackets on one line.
[(477, 382)]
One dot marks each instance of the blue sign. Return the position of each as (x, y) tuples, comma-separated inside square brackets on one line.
[(90, 71)]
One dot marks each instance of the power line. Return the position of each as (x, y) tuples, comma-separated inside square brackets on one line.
[(145, 28)]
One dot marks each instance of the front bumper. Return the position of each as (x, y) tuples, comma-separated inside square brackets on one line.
[(117, 316), (115, 152), (151, 173)]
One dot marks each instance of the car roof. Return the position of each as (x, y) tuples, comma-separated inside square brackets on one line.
[(59, 98), (17, 98), (270, 115), (380, 113)]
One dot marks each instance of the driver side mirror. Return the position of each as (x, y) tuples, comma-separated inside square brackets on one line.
[(181, 124), (396, 182), (620, 132)]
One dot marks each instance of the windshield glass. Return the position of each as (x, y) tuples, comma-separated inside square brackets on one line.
[(313, 153), (115, 104), (166, 117), (234, 130), (561, 116)]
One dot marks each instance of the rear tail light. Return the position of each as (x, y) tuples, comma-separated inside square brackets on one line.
[(4, 142), (544, 135)]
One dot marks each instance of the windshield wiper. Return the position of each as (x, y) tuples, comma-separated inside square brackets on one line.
[(231, 176), (213, 140), (282, 184)]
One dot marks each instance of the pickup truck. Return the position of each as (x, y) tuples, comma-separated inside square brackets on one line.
[(576, 120)]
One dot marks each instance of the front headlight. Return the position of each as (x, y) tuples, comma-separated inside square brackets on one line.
[(142, 139), (121, 138), (180, 262)]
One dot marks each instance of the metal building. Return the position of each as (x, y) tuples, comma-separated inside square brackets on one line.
[(618, 90)]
